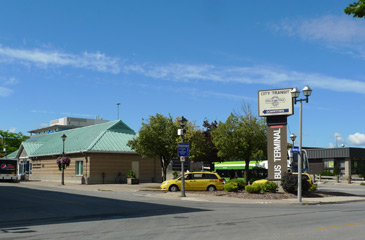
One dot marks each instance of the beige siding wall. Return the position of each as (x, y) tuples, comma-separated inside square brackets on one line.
[(46, 169), (112, 164), (94, 165)]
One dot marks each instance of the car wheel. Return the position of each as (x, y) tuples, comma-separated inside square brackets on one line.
[(211, 188), (173, 188)]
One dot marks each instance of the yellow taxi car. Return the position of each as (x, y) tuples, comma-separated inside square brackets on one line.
[(306, 176), (199, 181)]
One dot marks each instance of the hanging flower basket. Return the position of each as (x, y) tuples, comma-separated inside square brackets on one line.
[(63, 162)]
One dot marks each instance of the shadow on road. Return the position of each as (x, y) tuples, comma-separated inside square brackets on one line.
[(28, 207), (322, 194)]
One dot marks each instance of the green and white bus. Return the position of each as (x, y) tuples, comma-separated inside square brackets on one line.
[(235, 169)]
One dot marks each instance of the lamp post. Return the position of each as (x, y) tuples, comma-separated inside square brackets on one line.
[(307, 91), (118, 109), (181, 132), (63, 137), (5, 149), (292, 137)]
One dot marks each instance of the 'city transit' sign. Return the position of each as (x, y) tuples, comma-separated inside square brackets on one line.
[(275, 102)]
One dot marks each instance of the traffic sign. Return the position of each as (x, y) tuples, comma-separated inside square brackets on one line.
[(295, 150), (182, 159), (183, 150)]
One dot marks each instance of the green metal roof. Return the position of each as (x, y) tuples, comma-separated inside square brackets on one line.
[(12, 155), (104, 137)]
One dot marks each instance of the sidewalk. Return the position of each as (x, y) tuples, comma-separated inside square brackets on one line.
[(146, 190)]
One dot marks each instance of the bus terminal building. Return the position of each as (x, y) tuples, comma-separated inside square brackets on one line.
[(348, 160)]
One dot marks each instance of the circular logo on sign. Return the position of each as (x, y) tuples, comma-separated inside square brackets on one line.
[(3, 166)]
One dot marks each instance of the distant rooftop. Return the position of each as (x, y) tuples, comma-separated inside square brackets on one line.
[(66, 123)]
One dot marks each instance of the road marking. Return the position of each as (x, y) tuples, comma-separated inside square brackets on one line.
[(344, 225), (46, 198)]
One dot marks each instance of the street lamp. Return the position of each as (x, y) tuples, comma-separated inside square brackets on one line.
[(307, 91), (183, 121), (5, 149), (293, 137), (63, 137), (291, 157), (118, 109)]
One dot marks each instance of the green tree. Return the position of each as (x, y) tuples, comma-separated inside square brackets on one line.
[(202, 146), (241, 137), (357, 9), (157, 138), (13, 140)]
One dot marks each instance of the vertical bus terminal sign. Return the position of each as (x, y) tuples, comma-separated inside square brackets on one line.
[(276, 105)]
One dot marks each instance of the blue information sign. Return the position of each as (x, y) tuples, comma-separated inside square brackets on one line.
[(295, 150), (183, 150)]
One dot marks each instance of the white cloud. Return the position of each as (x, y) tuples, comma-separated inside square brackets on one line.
[(342, 33), (332, 29), (264, 75), (253, 75), (356, 139), (12, 130), (94, 61), (11, 81), (338, 140), (331, 145), (63, 113), (4, 92)]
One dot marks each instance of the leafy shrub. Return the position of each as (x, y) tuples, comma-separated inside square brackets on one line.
[(131, 174), (255, 188), (240, 183), (270, 187), (267, 187), (231, 187), (362, 184), (327, 173), (312, 188), (336, 171), (289, 182)]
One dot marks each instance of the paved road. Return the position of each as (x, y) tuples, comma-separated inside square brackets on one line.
[(47, 213)]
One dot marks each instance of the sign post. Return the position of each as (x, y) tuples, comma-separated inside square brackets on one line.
[(276, 105), (183, 151)]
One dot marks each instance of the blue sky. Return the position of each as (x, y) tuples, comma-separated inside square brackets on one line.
[(199, 59)]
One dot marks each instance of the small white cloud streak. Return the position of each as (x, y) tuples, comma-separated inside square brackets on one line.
[(12, 130), (4, 92), (11, 81), (62, 113), (342, 33), (94, 61), (253, 75), (356, 139), (328, 28)]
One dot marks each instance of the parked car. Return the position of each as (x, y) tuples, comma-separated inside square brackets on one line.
[(200, 181), (306, 176)]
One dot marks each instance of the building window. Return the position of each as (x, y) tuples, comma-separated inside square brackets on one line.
[(79, 168)]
